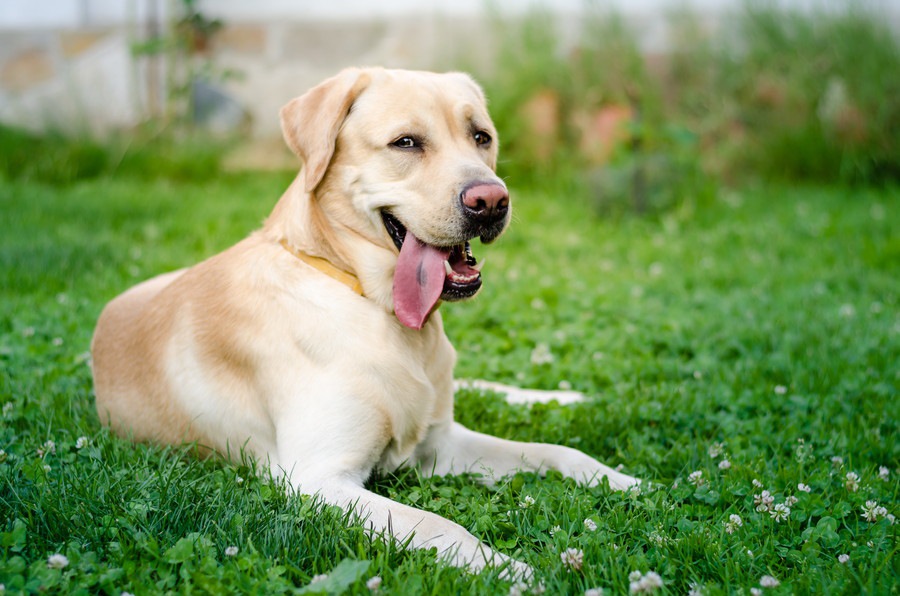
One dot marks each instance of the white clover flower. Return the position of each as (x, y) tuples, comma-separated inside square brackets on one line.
[(790, 500), (318, 578), (81, 443), (635, 576), (593, 592), (47, 468), (870, 511), (57, 341), (526, 502), (749, 553), (231, 551), (541, 355), (695, 590), (804, 488), (572, 558), (767, 581), (48, 448), (649, 582), (734, 522), (890, 517), (843, 559), (852, 482), (696, 478), (724, 464), (757, 483), (238, 480), (755, 592), (374, 583), (837, 460), (590, 525), (555, 529), (763, 501), (883, 473), (780, 389), (518, 589), (57, 561), (780, 512)]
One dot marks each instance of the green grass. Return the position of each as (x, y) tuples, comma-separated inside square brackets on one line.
[(766, 321)]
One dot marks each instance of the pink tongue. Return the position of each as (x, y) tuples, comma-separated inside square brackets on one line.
[(418, 280)]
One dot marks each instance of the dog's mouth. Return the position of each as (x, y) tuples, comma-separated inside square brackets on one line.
[(426, 273)]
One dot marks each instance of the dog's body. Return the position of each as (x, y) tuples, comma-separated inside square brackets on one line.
[(267, 348)]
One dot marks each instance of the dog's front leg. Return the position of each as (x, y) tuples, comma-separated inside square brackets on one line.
[(384, 517), (452, 448), (331, 455)]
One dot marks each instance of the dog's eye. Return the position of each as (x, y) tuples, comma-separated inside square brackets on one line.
[(482, 138), (406, 142)]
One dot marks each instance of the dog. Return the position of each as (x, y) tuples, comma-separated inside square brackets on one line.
[(315, 344)]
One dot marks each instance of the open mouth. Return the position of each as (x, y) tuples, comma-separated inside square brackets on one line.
[(462, 272)]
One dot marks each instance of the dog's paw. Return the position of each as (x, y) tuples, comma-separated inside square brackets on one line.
[(520, 396), (620, 481)]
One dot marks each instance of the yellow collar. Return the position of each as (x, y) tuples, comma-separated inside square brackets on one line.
[(348, 279)]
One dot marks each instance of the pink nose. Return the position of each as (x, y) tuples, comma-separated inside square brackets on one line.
[(485, 202)]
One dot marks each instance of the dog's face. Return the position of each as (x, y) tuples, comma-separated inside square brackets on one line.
[(410, 157)]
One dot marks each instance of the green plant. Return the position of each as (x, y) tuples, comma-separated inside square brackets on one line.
[(185, 46)]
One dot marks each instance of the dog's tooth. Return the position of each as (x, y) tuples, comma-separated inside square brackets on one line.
[(478, 266), (448, 268)]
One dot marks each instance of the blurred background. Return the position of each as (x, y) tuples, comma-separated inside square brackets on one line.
[(641, 102)]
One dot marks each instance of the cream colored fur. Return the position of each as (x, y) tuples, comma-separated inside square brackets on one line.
[(255, 349)]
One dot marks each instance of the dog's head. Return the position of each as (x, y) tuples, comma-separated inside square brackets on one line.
[(406, 160)]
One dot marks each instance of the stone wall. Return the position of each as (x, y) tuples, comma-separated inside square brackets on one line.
[(68, 80), (89, 80)]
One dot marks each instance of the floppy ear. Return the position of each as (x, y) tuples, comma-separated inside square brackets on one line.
[(310, 123)]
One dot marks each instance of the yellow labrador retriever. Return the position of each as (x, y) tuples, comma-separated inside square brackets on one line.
[(315, 344)]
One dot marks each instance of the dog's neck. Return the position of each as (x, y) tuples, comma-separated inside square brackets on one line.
[(300, 221), (348, 279)]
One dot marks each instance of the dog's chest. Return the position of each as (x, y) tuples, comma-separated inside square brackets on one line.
[(417, 393)]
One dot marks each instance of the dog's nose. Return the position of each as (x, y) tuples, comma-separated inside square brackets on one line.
[(485, 202)]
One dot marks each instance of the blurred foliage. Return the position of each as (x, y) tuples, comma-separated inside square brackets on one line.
[(186, 47), (767, 91), (793, 94), (55, 158), (771, 91)]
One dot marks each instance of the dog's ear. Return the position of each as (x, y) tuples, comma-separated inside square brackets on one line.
[(310, 123)]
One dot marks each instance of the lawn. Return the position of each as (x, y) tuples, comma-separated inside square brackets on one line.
[(741, 353)]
